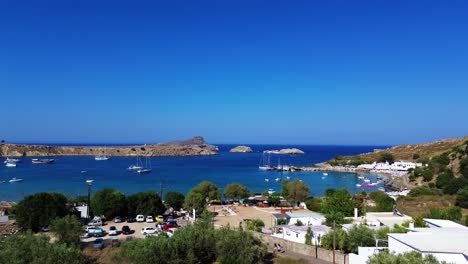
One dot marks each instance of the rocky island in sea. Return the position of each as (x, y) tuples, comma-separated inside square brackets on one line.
[(288, 151), (241, 149), (195, 146)]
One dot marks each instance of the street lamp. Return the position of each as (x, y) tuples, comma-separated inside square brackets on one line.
[(89, 183)]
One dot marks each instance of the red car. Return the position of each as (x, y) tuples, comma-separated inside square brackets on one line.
[(167, 226)]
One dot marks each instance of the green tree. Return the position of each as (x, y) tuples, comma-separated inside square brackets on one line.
[(427, 175), (308, 238), (274, 199), (340, 237), (108, 202), (298, 191), (443, 179), (383, 202), (359, 236), (284, 189), (233, 246), (199, 196), (464, 166), (34, 249), (255, 225), (38, 210), (314, 204), (387, 157), (174, 200), (236, 191), (341, 201), (335, 217), (462, 198), (67, 229), (412, 257), (145, 203)]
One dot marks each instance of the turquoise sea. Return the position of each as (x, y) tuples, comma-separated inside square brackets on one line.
[(177, 173)]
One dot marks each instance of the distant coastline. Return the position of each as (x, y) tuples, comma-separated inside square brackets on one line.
[(195, 146)]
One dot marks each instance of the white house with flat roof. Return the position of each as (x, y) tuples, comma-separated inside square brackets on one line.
[(298, 233), (448, 244), (306, 218)]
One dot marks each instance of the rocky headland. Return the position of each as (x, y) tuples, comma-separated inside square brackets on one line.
[(195, 146), (288, 151), (241, 149)]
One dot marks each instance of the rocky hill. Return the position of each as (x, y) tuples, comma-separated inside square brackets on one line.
[(241, 149), (411, 152), (195, 146)]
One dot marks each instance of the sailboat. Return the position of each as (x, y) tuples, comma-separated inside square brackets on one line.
[(137, 166), (146, 169), (279, 167), (265, 165)]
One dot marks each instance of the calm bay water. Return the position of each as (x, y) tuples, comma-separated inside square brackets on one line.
[(177, 173)]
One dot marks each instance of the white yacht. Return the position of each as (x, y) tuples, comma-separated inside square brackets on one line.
[(137, 166), (8, 160), (15, 180), (10, 165)]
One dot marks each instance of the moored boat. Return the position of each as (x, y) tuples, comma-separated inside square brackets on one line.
[(8, 160), (144, 170), (42, 161), (10, 165), (15, 180), (101, 158)]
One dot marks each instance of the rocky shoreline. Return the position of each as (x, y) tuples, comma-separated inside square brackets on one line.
[(195, 146)]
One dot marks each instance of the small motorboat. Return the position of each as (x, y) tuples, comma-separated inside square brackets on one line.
[(361, 177), (42, 161), (10, 165), (288, 177), (358, 185), (278, 179), (15, 180), (101, 158), (144, 170), (8, 160), (325, 174), (267, 180), (323, 177), (366, 180), (83, 171)]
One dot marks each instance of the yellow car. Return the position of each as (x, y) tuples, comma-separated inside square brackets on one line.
[(159, 219)]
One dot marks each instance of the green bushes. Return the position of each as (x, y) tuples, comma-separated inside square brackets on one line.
[(462, 198), (359, 236), (424, 190), (313, 204), (452, 213), (384, 203), (108, 202), (255, 225), (412, 257), (198, 243), (387, 157)]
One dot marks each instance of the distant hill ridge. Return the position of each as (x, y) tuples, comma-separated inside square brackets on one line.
[(195, 146), (412, 152)]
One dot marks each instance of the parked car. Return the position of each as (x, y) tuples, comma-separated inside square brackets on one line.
[(113, 231), (99, 232), (130, 219), (140, 218), (99, 243), (149, 219), (118, 219), (90, 229), (172, 222), (168, 226), (86, 235), (45, 229), (126, 230), (159, 219), (148, 230), (95, 222)]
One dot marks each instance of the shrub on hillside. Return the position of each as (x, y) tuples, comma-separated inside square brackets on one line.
[(383, 202), (255, 225), (452, 213), (387, 157), (443, 179), (462, 198), (424, 190), (313, 204)]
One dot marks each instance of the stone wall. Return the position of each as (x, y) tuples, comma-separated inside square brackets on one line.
[(323, 254)]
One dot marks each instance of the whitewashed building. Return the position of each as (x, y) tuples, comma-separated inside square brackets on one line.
[(298, 233), (306, 218)]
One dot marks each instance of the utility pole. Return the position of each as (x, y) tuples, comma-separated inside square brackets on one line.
[(334, 241)]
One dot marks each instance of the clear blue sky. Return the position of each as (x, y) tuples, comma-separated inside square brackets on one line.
[(299, 72)]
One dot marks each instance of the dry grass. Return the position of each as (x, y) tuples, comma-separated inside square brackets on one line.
[(415, 206), (406, 152), (290, 260)]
